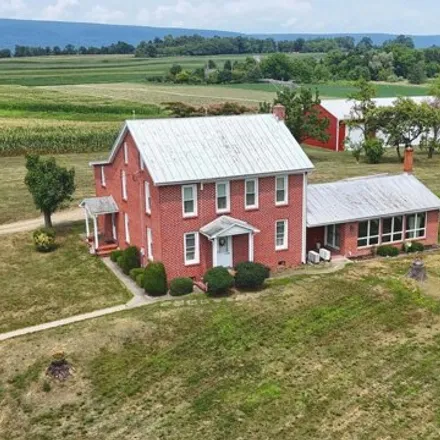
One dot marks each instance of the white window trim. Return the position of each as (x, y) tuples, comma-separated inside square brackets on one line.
[(255, 205), (150, 244), (286, 191), (228, 197), (141, 162), (196, 259), (194, 213), (285, 246), (147, 197), (393, 231), (124, 185), (332, 245), (127, 228), (103, 181), (125, 153), (368, 237), (422, 237)]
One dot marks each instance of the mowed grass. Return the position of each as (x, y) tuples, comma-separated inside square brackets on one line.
[(37, 288), (353, 355), (15, 200)]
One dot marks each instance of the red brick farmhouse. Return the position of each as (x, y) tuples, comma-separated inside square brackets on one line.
[(215, 191)]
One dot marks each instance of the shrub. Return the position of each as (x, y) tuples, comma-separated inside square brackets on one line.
[(373, 150), (413, 246), (44, 240), (130, 259), (250, 275), (155, 279), (115, 255), (140, 279), (387, 251), (135, 272), (218, 280), (181, 286)]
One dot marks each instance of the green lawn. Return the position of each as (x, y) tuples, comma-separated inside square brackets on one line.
[(37, 288), (353, 355)]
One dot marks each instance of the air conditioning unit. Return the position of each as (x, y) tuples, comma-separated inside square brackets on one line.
[(313, 257), (325, 254)]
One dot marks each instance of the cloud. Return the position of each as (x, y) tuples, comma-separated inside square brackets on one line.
[(12, 8), (61, 9), (101, 14)]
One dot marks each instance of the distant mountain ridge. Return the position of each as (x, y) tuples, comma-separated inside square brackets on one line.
[(56, 33)]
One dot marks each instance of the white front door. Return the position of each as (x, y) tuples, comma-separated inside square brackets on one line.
[(224, 251)]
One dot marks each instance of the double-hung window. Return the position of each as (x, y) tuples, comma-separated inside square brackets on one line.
[(149, 244), (281, 193), (222, 196), (191, 248), (333, 236), (368, 233), (392, 229), (251, 193), (147, 198), (124, 185), (281, 235), (189, 200), (127, 228), (103, 182), (125, 153), (416, 225)]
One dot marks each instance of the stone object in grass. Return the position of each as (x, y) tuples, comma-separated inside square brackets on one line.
[(417, 271)]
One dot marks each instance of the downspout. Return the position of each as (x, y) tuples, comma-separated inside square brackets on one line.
[(337, 134), (304, 215)]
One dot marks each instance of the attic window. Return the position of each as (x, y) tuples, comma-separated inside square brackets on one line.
[(125, 153)]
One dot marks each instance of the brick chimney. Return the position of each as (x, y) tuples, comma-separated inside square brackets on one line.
[(279, 111), (408, 160)]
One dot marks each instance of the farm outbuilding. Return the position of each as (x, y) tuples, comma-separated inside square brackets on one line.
[(339, 112)]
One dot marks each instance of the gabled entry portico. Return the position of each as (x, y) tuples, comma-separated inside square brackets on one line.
[(221, 232)]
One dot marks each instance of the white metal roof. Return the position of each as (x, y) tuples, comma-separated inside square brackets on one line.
[(209, 148), (367, 197), (341, 108), (226, 225), (100, 205)]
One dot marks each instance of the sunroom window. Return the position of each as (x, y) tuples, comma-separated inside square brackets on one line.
[(368, 233), (416, 225), (392, 229)]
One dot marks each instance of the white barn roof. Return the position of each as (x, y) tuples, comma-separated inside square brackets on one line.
[(367, 197), (209, 148), (341, 108)]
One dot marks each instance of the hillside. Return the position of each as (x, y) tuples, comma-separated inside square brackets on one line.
[(51, 33)]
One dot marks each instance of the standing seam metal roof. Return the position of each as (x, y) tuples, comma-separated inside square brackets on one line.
[(367, 197), (211, 148)]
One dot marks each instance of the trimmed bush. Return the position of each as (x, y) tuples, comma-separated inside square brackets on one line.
[(155, 279), (140, 279), (181, 286), (115, 255), (250, 275), (44, 240), (135, 272), (130, 259), (374, 150), (218, 280), (413, 246), (387, 251)]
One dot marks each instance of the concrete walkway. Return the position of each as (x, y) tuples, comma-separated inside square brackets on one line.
[(71, 215)]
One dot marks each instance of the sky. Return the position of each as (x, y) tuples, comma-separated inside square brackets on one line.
[(250, 16)]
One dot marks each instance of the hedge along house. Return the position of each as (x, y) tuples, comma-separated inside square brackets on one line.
[(352, 217), (201, 192), (339, 112)]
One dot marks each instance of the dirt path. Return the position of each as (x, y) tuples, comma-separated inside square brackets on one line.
[(29, 225)]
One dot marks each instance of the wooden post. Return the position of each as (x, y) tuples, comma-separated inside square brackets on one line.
[(214, 252), (95, 228), (87, 225)]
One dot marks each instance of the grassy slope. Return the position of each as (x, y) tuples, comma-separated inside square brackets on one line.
[(349, 355), (37, 288)]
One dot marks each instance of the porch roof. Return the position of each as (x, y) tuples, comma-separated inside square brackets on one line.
[(225, 226), (100, 205)]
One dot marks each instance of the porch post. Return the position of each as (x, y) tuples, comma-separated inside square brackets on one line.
[(214, 252), (87, 224), (251, 246), (113, 226), (95, 228)]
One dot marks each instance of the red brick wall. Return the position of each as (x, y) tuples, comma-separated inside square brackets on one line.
[(332, 131), (240, 248)]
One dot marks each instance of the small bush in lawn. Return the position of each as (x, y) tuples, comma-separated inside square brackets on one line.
[(130, 259), (155, 279), (135, 272), (413, 246), (218, 280), (115, 255), (387, 251), (250, 275), (181, 286), (44, 240), (374, 150)]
